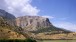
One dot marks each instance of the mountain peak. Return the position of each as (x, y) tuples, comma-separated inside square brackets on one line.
[(7, 15)]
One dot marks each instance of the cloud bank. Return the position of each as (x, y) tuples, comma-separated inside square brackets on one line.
[(21, 7)]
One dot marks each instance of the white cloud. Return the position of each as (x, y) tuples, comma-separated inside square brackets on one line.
[(50, 17), (21, 7), (30, 10), (66, 25)]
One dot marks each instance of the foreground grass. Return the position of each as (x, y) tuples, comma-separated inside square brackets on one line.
[(17, 40)]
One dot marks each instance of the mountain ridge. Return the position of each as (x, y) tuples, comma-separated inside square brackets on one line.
[(37, 24), (28, 26)]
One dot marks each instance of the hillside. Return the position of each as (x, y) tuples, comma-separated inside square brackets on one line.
[(61, 36), (9, 32), (9, 18)]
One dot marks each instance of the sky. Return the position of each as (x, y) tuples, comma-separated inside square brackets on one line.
[(61, 13)]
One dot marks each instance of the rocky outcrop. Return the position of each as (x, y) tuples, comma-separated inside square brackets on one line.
[(33, 23), (37, 24)]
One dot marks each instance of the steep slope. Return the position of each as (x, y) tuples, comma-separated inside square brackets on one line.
[(8, 23), (7, 15), (8, 27), (9, 18), (9, 32), (37, 24)]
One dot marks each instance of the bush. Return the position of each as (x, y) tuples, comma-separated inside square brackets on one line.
[(30, 40), (17, 40)]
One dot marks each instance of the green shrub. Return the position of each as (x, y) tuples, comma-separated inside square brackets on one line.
[(30, 40), (17, 40)]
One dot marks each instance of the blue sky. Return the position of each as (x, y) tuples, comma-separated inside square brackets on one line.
[(65, 9), (62, 13)]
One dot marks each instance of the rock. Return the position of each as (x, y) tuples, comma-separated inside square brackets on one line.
[(37, 24), (33, 23)]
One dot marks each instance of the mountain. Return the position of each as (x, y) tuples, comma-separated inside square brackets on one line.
[(28, 27), (6, 15), (37, 24), (8, 28), (9, 18), (33, 22), (30, 23)]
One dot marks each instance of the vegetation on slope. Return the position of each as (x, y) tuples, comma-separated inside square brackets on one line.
[(53, 30), (17, 40), (9, 33)]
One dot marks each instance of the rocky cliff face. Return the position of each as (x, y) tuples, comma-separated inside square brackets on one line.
[(33, 23), (36, 24), (9, 18)]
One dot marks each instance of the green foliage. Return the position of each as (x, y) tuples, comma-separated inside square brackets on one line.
[(30, 40), (17, 40)]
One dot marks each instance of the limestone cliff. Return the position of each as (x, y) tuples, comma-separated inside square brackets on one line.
[(37, 24), (33, 23)]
